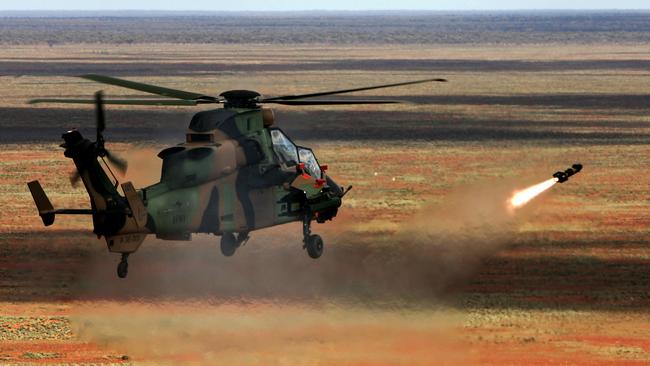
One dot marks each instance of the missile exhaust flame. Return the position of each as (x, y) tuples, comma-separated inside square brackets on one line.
[(520, 198)]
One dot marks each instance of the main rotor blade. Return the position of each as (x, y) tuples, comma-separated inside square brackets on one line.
[(291, 97), (147, 88), (333, 102), (123, 101), (118, 162), (99, 112)]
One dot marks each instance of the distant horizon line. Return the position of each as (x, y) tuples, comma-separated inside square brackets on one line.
[(322, 10)]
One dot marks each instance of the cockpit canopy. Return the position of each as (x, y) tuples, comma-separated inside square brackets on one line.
[(311, 164), (290, 154)]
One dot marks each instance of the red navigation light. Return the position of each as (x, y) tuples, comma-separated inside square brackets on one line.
[(320, 183)]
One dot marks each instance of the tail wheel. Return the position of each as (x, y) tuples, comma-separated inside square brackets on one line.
[(122, 269), (228, 244), (314, 246)]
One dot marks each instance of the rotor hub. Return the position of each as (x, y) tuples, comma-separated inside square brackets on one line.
[(240, 98)]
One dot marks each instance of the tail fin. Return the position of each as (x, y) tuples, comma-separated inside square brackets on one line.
[(45, 208), (138, 210)]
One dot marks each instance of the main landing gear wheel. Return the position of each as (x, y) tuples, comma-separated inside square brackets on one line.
[(313, 243), (314, 246), (229, 244), (123, 267)]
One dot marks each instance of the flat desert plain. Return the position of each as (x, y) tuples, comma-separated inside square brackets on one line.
[(425, 263)]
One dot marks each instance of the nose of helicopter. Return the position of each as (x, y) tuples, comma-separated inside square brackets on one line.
[(335, 188)]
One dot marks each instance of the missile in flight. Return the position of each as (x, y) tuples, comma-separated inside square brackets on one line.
[(562, 177)]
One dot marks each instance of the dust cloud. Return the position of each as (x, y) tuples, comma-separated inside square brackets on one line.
[(267, 334), (371, 297), (144, 167), (434, 250), (417, 261)]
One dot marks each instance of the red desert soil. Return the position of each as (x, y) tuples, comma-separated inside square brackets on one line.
[(528, 296), (420, 267)]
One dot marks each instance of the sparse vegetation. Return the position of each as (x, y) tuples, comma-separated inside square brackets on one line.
[(570, 286)]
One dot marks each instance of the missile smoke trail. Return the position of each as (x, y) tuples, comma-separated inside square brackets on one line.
[(520, 198)]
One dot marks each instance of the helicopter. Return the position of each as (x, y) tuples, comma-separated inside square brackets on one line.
[(234, 173)]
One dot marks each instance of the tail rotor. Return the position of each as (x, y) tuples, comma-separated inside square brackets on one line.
[(100, 150), (119, 163)]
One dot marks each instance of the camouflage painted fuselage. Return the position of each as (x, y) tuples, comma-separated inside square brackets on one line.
[(227, 178), (233, 174)]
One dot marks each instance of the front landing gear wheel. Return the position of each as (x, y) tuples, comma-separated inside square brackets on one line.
[(123, 267), (229, 244), (314, 245)]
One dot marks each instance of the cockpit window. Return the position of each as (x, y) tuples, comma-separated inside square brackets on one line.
[(284, 148), (311, 165)]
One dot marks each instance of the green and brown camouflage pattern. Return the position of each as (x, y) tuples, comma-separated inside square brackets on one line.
[(225, 178)]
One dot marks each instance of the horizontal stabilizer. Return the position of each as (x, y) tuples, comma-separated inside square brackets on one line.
[(45, 208)]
